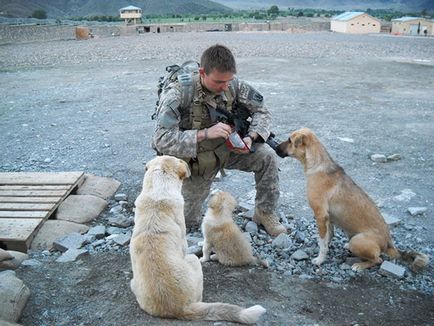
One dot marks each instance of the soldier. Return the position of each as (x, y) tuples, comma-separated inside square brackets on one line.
[(191, 134)]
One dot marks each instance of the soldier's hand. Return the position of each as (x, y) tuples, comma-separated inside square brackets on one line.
[(219, 130)]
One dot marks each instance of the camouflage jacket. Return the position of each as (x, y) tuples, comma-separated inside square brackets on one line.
[(173, 134)]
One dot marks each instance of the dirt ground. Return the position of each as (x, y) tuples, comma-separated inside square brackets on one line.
[(72, 106)]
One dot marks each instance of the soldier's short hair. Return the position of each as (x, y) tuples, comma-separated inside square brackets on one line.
[(218, 57)]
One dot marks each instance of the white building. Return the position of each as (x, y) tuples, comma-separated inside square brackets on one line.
[(355, 22), (131, 14)]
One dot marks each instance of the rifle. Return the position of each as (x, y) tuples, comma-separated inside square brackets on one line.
[(240, 119)]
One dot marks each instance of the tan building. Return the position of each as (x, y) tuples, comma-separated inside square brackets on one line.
[(131, 14), (354, 22), (412, 26)]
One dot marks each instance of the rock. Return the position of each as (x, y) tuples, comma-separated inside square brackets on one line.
[(282, 241), (299, 255), (71, 241), (416, 210), (72, 255), (244, 206), (390, 269), (80, 208), (378, 158), (121, 221), (248, 214), (55, 229), (122, 239), (102, 187), (405, 195), (391, 220), (97, 231), (31, 263), (4, 255), (394, 157), (13, 296), (195, 250), (17, 258), (251, 227), (121, 197)]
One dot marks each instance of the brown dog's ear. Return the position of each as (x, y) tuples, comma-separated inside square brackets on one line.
[(183, 170), (298, 139)]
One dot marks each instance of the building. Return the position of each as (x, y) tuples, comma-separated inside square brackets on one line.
[(355, 22), (412, 26), (131, 14)]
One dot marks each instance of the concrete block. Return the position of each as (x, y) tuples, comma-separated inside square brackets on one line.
[(390, 269)]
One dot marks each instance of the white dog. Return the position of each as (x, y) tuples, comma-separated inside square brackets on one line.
[(166, 281)]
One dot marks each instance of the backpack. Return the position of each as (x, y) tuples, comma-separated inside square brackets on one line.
[(183, 74)]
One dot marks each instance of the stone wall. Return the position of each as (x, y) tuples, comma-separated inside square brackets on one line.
[(33, 33)]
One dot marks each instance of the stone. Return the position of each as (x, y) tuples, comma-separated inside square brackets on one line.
[(416, 210), (102, 187), (390, 269), (299, 255), (378, 158), (80, 208), (394, 157), (121, 197), (244, 206), (195, 250), (122, 239), (120, 221), (13, 296), (248, 214), (71, 241), (282, 241), (405, 195), (251, 227), (391, 220), (55, 229), (72, 255), (97, 231)]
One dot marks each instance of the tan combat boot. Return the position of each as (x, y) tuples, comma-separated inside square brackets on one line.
[(269, 221)]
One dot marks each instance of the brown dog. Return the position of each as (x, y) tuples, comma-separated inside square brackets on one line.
[(167, 282), (336, 199)]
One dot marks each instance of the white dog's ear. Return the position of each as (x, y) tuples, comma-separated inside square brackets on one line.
[(183, 170)]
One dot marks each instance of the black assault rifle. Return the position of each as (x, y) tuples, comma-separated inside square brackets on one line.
[(240, 119)]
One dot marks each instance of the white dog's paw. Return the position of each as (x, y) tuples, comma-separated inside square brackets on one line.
[(203, 260), (214, 257), (318, 260), (347, 246)]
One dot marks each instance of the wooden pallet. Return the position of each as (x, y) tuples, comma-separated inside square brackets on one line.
[(27, 200)]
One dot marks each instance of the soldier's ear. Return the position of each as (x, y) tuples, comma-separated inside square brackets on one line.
[(201, 71)]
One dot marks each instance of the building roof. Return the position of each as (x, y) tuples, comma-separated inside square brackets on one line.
[(348, 15), (406, 19), (131, 8)]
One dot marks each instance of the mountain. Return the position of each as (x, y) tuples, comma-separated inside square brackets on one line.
[(82, 8), (401, 5)]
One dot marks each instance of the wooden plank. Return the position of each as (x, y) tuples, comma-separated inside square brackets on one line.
[(17, 234), (33, 193), (26, 206), (45, 187), (29, 199), (17, 214), (40, 178)]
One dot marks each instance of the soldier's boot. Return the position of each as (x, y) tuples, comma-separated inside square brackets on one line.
[(269, 221)]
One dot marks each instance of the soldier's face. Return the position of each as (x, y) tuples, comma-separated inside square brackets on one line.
[(216, 82)]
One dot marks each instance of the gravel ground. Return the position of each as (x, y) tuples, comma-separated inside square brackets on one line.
[(86, 105)]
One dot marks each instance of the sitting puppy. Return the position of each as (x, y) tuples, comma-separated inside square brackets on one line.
[(166, 281), (222, 235), (336, 199)]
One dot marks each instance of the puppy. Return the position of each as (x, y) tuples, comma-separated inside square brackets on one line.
[(166, 281), (222, 235), (336, 199)]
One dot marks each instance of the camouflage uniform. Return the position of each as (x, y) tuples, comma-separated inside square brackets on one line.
[(174, 136)]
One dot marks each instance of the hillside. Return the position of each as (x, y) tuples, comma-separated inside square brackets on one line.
[(71, 8), (401, 5)]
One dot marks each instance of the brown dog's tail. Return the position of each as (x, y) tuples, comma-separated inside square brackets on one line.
[(223, 311), (417, 260)]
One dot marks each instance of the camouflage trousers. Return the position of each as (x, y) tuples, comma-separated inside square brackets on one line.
[(263, 163)]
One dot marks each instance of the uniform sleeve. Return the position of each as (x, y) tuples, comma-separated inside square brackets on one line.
[(168, 139), (254, 101)]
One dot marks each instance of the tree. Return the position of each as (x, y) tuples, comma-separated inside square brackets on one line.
[(273, 11), (39, 14)]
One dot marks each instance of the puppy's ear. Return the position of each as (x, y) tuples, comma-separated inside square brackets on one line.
[(183, 170), (298, 139)]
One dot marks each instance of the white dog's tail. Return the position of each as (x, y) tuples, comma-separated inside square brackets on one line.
[(223, 311)]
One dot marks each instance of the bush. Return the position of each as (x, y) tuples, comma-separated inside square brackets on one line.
[(39, 14)]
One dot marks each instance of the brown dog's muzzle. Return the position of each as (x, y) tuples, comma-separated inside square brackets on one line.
[(282, 148)]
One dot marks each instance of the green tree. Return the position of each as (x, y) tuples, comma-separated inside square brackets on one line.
[(273, 11), (39, 14)]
